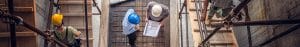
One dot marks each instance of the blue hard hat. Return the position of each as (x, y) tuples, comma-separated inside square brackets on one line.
[(134, 18)]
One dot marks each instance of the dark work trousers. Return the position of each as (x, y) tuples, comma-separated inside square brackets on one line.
[(132, 39)]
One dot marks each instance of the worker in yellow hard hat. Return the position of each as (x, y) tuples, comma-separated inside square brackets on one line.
[(65, 34)]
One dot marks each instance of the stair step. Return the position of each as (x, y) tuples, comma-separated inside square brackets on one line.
[(76, 14), (196, 1), (125, 10), (2, 4), (220, 43), (74, 2), (212, 20), (19, 9), (212, 28), (220, 31), (195, 10), (19, 34), (84, 39), (83, 28)]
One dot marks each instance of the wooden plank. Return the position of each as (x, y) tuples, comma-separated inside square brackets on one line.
[(74, 8), (197, 1), (76, 14), (84, 39), (173, 24), (212, 20), (220, 43), (18, 34), (20, 9), (220, 31), (2, 4), (124, 44), (195, 10), (104, 23), (24, 3), (25, 37), (74, 2), (76, 21), (29, 41)]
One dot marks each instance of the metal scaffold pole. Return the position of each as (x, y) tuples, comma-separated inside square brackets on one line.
[(12, 24), (86, 23)]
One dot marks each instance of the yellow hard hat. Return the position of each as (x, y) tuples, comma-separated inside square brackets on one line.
[(57, 19)]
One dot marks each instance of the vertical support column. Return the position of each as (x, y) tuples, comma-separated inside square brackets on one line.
[(86, 23), (104, 19), (12, 34), (12, 24), (174, 37)]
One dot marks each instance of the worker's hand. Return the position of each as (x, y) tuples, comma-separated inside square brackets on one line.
[(161, 24), (137, 27), (77, 33)]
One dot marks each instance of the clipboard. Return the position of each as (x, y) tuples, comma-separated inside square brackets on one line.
[(152, 28)]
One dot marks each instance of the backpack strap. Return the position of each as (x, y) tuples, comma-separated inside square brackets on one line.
[(65, 39), (67, 32), (56, 36)]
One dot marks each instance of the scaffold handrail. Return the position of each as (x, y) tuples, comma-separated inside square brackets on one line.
[(26, 25)]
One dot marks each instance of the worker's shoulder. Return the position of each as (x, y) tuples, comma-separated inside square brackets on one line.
[(69, 27)]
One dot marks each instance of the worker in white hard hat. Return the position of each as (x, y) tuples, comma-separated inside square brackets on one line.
[(157, 12), (65, 34)]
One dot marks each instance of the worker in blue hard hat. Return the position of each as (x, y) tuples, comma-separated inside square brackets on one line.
[(130, 26)]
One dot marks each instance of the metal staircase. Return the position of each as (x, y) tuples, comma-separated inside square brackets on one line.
[(223, 37)]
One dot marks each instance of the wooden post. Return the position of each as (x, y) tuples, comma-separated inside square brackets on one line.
[(104, 19), (174, 37)]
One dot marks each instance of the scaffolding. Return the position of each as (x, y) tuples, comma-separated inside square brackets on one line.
[(14, 20), (228, 22)]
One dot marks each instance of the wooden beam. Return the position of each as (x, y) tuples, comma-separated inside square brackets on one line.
[(2, 4), (174, 32), (76, 14), (84, 39), (220, 31), (104, 24), (220, 43), (20, 9), (18, 34), (212, 20), (74, 2), (195, 10)]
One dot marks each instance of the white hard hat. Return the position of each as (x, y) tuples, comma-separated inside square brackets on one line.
[(156, 10)]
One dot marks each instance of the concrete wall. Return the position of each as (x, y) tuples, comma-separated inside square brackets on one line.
[(270, 10), (42, 18)]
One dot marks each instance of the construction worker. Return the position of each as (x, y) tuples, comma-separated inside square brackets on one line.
[(65, 34), (220, 7), (130, 26), (157, 12)]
